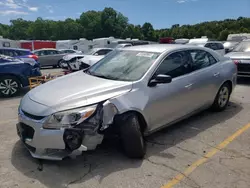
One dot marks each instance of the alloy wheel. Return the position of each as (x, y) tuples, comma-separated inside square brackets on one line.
[(223, 96), (8, 87)]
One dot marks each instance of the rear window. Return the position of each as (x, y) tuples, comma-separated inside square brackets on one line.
[(23, 52)]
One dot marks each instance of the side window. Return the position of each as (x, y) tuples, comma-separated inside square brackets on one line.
[(40, 53), (201, 59), (176, 64), (11, 53), (22, 53), (51, 52), (220, 46)]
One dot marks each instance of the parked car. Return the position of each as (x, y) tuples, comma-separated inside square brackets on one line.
[(49, 57), (230, 45), (132, 92), (23, 54), (123, 45), (241, 56), (214, 45), (14, 74), (71, 61), (69, 51)]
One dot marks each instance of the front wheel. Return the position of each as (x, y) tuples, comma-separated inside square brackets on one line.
[(222, 98), (60, 63), (131, 136), (9, 86)]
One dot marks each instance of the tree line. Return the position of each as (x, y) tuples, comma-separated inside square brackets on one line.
[(109, 22)]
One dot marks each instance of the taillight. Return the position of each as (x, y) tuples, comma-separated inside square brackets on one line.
[(33, 56)]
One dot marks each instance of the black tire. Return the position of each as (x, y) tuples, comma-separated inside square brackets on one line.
[(9, 86), (131, 136), (221, 100)]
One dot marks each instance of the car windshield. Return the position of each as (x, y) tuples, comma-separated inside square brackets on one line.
[(242, 47), (124, 65)]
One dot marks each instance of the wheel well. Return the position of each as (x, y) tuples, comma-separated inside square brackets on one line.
[(12, 75), (229, 82), (142, 121)]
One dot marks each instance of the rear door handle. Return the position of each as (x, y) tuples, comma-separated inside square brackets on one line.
[(188, 86), (216, 74)]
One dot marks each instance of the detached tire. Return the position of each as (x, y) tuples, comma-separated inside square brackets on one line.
[(222, 98), (131, 136), (9, 86)]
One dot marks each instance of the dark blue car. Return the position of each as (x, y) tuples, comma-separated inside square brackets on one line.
[(18, 53), (15, 73)]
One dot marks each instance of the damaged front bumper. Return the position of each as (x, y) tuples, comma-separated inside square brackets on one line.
[(56, 144)]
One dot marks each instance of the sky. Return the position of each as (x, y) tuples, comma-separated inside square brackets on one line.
[(160, 13)]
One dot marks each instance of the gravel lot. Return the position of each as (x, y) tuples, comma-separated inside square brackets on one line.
[(206, 151)]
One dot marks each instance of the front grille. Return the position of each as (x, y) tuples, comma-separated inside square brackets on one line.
[(31, 116), (26, 131), (243, 67)]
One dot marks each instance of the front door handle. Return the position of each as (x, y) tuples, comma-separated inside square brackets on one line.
[(188, 86), (216, 74)]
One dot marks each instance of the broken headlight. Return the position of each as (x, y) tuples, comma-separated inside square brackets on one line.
[(69, 118)]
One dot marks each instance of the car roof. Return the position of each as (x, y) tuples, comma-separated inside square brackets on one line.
[(44, 49), (20, 49), (159, 48)]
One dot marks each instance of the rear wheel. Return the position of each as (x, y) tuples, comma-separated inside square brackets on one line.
[(9, 86), (131, 136), (222, 98)]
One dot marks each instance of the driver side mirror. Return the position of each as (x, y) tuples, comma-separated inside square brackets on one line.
[(96, 54), (160, 79)]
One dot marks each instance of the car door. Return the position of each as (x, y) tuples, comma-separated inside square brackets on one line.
[(169, 102), (42, 57), (53, 57), (206, 73)]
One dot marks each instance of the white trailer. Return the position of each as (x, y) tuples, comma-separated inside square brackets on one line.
[(9, 43), (238, 37), (103, 42), (81, 45)]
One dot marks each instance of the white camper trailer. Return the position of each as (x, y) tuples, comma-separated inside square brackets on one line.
[(238, 37), (9, 43), (81, 45), (102, 42)]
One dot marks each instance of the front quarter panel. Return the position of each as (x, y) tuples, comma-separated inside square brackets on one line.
[(135, 100)]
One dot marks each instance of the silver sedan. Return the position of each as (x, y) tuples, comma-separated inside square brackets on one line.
[(49, 57), (132, 92), (241, 56)]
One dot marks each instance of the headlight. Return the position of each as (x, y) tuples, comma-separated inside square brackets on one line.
[(69, 118)]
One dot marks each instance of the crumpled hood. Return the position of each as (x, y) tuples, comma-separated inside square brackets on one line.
[(71, 56), (238, 55), (91, 59), (76, 90)]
